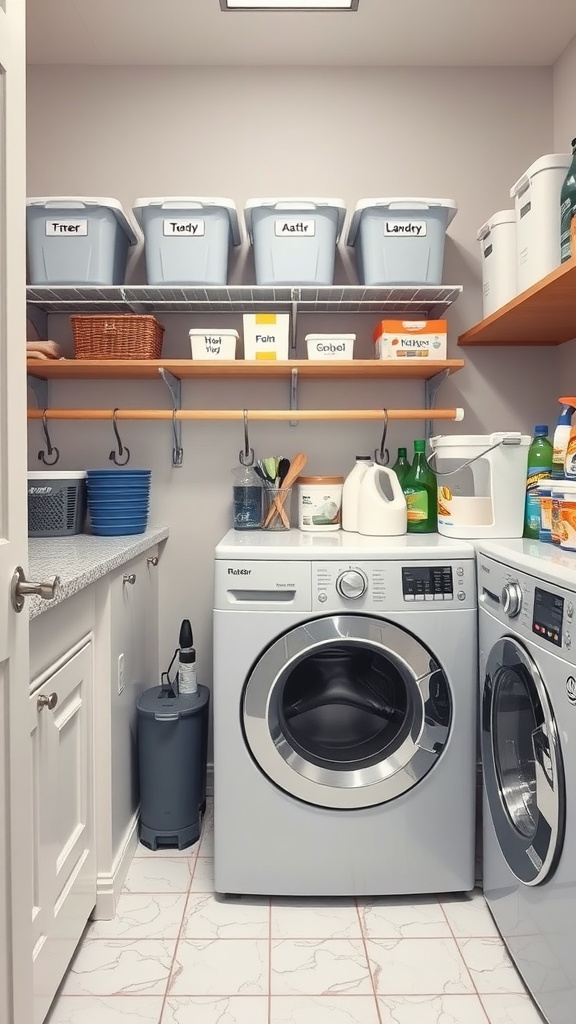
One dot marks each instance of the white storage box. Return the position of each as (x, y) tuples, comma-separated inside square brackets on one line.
[(213, 344), (266, 335), (188, 238), (400, 241), (294, 239), (330, 346), (497, 239), (411, 339), (78, 240), (536, 198)]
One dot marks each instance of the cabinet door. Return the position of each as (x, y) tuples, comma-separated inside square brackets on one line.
[(64, 856)]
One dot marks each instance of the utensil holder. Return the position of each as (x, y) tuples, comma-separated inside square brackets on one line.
[(277, 508)]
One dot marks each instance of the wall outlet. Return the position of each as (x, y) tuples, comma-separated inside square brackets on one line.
[(120, 673)]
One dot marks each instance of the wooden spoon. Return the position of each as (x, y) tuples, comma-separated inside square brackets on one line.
[(296, 467)]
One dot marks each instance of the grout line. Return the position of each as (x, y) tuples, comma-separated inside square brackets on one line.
[(365, 945), (469, 972), (270, 961), (177, 941)]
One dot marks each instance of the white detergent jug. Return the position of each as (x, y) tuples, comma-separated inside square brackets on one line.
[(381, 504), (351, 493)]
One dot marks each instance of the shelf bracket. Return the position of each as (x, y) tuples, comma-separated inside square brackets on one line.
[(295, 298), (40, 388), (136, 307), (174, 385), (431, 389), (293, 394)]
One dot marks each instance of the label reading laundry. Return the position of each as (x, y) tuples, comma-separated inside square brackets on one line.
[(183, 226), (67, 228), (404, 228), (295, 227)]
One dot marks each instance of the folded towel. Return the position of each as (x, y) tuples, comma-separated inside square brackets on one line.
[(43, 350)]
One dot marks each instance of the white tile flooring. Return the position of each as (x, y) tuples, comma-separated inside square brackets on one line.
[(176, 954)]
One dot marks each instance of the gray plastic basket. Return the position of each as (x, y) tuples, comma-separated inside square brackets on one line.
[(56, 503)]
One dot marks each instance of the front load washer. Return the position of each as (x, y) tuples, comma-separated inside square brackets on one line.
[(527, 597), (345, 693)]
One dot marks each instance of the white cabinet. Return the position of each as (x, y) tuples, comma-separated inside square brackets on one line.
[(63, 816)]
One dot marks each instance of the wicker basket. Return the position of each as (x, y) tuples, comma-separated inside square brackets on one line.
[(126, 336)]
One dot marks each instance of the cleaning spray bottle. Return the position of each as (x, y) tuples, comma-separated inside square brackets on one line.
[(564, 464), (187, 682)]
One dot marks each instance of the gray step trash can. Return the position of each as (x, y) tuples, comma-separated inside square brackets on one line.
[(172, 750)]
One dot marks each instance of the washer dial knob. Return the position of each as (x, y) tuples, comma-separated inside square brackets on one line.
[(512, 599), (352, 584)]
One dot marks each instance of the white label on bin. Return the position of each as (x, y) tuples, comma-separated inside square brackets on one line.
[(295, 226), (67, 228), (183, 226), (404, 228)]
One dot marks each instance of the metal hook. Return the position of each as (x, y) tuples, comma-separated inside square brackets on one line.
[(382, 456), (246, 458), (50, 450), (121, 449)]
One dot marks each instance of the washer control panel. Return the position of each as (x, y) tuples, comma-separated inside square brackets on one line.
[(387, 585), (428, 583)]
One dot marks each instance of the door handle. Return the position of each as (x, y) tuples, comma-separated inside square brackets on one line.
[(47, 702), (20, 588), (129, 577), (152, 560)]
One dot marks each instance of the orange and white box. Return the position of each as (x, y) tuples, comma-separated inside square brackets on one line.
[(411, 339), (266, 335)]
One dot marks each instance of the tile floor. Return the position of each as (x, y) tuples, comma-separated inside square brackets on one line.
[(176, 954)]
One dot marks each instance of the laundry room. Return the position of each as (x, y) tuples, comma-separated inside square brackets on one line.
[(262, 542)]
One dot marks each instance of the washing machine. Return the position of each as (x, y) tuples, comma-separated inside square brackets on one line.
[(345, 695), (527, 597)]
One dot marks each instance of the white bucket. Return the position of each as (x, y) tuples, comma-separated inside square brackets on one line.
[(481, 484), (319, 503)]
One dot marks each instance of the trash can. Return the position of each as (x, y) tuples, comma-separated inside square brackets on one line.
[(172, 735)]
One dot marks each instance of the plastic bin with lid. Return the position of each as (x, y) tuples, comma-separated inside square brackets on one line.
[(400, 240), (536, 198), (187, 238), (78, 240), (497, 239), (294, 239)]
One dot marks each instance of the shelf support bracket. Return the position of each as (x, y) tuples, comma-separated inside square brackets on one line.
[(293, 394), (136, 307), (40, 388), (294, 321), (431, 389), (174, 385)]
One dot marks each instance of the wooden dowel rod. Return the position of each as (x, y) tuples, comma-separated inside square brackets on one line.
[(253, 414)]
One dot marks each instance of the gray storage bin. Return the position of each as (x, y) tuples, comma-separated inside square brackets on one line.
[(56, 503), (294, 239), (172, 752), (400, 241), (187, 238), (77, 240)]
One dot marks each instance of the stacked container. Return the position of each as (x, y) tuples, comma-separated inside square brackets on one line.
[(536, 198), (188, 238), (294, 239), (497, 239)]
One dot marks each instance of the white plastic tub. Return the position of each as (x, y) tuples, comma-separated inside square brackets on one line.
[(330, 346), (213, 344), (400, 240), (536, 198), (188, 238), (294, 239), (497, 239), (319, 503), (266, 335), (78, 240)]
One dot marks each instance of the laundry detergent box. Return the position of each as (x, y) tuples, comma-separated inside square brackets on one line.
[(411, 339), (266, 335)]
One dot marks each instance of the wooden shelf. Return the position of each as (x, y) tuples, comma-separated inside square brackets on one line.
[(544, 314), (187, 369)]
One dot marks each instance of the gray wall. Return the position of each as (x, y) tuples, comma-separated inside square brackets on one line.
[(128, 132), (564, 86)]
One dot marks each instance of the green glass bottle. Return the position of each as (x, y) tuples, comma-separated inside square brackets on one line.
[(567, 208), (401, 466), (421, 493), (540, 458)]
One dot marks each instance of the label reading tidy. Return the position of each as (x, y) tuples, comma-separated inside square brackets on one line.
[(66, 227), (185, 227), (295, 227), (404, 228)]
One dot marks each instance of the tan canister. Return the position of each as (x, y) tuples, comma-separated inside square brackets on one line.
[(319, 503), (568, 516)]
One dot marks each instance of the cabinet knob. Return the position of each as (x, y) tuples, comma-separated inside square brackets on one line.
[(152, 560), (47, 702), (129, 577), (20, 588)]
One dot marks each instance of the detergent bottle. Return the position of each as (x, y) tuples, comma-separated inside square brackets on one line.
[(401, 466), (381, 504), (421, 491), (540, 455), (351, 492), (561, 440)]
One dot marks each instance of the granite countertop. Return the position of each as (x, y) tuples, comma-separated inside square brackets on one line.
[(81, 560)]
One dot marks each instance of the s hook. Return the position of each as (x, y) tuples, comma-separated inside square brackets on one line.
[(246, 457), (382, 456), (50, 450), (116, 457)]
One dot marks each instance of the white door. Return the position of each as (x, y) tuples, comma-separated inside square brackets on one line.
[(15, 775)]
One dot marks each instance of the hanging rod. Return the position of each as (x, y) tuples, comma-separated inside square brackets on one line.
[(253, 414)]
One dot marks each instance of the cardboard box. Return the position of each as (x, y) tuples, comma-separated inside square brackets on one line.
[(266, 335), (411, 339)]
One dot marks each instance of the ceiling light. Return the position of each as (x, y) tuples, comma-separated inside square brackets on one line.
[(289, 5)]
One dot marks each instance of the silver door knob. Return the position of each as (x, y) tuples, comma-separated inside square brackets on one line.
[(129, 577), (47, 702), (20, 588), (152, 560), (512, 599)]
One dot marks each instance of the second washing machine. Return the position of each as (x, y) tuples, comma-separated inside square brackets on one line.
[(344, 714)]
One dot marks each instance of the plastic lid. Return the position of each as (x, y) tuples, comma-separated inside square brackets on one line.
[(201, 332), (192, 203), (157, 703), (402, 453), (419, 446), (502, 217), (320, 480), (552, 161), (298, 204), (60, 474), (541, 429), (363, 458), (329, 337), (565, 417), (401, 203), (82, 202)]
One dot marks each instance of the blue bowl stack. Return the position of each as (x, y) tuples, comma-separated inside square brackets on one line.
[(118, 501)]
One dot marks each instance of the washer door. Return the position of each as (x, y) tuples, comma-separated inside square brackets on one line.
[(522, 763), (346, 711)]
